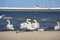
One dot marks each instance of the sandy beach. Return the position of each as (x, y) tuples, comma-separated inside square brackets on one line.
[(42, 35)]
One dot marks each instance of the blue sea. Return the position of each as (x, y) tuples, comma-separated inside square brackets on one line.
[(33, 15)]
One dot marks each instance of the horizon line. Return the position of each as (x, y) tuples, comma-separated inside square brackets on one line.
[(30, 9)]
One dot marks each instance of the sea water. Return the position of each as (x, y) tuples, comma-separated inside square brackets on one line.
[(20, 17)]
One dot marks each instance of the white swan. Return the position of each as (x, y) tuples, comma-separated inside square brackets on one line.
[(57, 27), (9, 26), (35, 25), (1, 16), (29, 26), (26, 25)]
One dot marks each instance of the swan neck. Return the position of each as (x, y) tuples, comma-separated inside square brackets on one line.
[(8, 22), (58, 23), (35, 21), (28, 21)]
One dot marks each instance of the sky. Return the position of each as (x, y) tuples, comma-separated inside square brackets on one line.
[(29, 3)]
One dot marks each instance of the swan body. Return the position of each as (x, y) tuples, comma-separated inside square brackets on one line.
[(26, 25), (23, 25), (9, 26), (57, 27)]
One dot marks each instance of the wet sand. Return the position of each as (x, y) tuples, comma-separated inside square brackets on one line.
[(42, 35)]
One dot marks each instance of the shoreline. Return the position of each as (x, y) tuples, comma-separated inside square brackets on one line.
[(36, 35)]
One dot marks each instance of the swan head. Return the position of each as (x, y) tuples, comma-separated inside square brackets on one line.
[(29, 19), (8, 21)]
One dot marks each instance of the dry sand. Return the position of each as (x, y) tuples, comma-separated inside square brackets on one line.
[(43, 35)]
